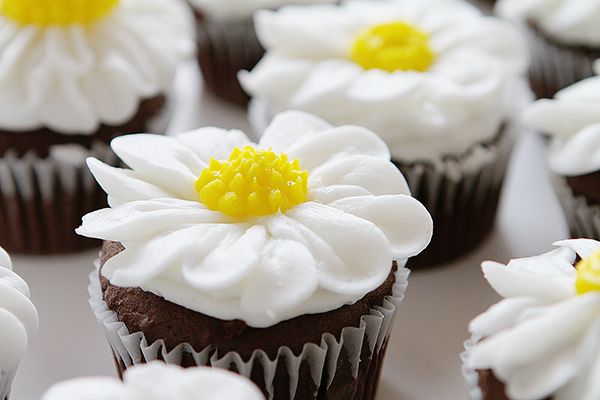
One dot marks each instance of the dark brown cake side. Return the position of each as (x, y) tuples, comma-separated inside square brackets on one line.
[(587, 186), (492, 388), (158, 319)]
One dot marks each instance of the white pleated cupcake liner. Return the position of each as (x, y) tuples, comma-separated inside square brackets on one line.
[(470, 375), (6, 381), (43, 199), (582, 217), (356, 347), (554, 67)]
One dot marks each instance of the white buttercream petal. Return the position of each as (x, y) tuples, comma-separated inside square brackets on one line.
[(140, 220), (405, 222), (289, 127), (578, 155), (20, 306), (564, 118), (583, 247), (344, 268), (123, 185), (162, 161), (12, 332), (338, 143), (378, 176), (215, 143), (501, 315), (285, 277), (329, 194), (380, 86), (227, 261)]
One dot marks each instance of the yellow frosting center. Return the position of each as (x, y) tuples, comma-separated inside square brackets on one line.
[(588, 274), (252, 183), (394, 46), (56, 12)]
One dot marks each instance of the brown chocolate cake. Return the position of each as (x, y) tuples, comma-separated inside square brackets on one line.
[(492, 388), (587, 186)]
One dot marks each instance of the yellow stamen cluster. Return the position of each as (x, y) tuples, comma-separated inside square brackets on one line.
[(252, 183), (394, 46), (588, 274), (56, 12)]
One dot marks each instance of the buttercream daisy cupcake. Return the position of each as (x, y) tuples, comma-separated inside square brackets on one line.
[(428, 76), (282, 260), (74, 74), (18, 323), (542, 341), (227, 42), (564, 37), (572, 120), (158, 381)]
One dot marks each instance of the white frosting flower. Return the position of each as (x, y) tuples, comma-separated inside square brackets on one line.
[(76, 77), (573, 120), (330, 249), (159, 381), (18, 316), (471, 87), (543, 339), (572, 22), (243, 8)]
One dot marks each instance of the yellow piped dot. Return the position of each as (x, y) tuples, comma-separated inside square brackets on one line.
[(56, 12), (252, 183), (588, 274), (394, 46)]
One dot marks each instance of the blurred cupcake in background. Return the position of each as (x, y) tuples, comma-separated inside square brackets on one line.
[(73, 75), (158, 381), (564, 36), (281, 260), (542, 341), (18, 323), (572, 119), (227, 42), (429, 76)]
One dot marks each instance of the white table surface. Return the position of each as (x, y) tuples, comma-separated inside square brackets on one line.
[(423, 358)]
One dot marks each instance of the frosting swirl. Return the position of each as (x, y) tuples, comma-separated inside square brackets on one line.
[(455, 84), (18, 315), (72, 78), (572, 22), (543, 339), (573, 120), (159, 381), (328, 249), (243, 8)]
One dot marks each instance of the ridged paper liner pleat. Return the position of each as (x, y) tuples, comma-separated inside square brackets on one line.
[(462, 195), (6, 380), (554, 67), (582, 217), (344, 369), (42, 201), (224, 48), (471, 376)]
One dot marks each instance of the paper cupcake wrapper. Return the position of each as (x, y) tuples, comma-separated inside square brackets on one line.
[(349, 367), (42, 199), (471, 376), (6, 381), (224, 48), (462, 195), (555, 67), (582, 217)]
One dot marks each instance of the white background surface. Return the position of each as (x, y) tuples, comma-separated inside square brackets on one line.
[(423, 358)]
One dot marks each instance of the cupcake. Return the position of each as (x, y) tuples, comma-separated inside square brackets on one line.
[(428, 76), (158, 381), (572, 119), (18, 322), (543, 340), (227, 42), (73, 75), (564, 37), (282, 261)]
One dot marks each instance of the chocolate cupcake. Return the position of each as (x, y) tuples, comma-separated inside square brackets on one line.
[(543, 340), (428, 76), (564, 38), (227, 42), (573, 123), (157, 381), (74, 75), (18, 322), (282, 261)]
